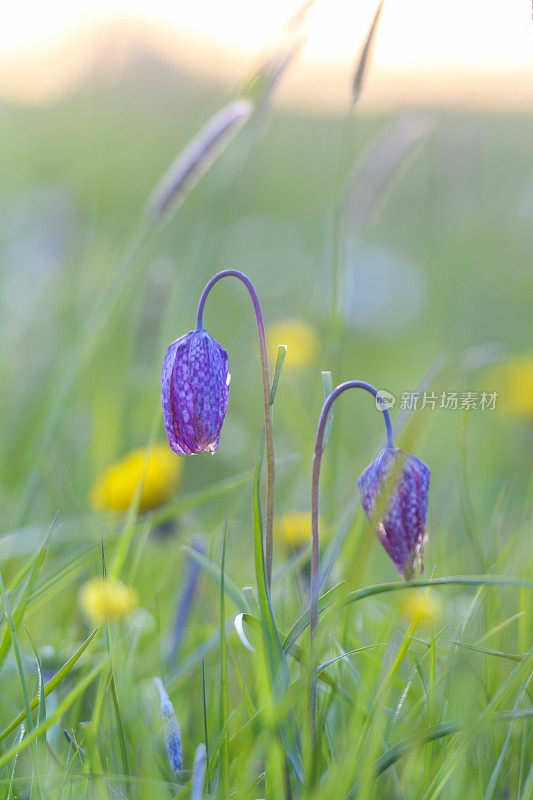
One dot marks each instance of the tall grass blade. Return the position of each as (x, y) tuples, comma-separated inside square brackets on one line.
[(223, 761), (24, 599), (437, 732), (206, 730), (52, 684), (120, 727), (41, 698), (56, 715), (459, 580), (195, 160), (10, 789), (18, 657), (214, 570), (280, 358), (385, 158), (277, 665), (364, 56)]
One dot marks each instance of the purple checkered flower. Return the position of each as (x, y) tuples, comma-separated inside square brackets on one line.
[(394, 492), (194, 393)]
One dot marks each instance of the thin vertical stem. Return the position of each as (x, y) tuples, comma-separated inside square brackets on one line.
[(269, 421), (315, 487)]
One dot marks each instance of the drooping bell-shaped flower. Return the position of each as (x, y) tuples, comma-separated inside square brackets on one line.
[(194, 392), (394, 493)]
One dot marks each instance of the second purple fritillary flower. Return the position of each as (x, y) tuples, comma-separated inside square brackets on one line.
[(194, 393), (394, 493)]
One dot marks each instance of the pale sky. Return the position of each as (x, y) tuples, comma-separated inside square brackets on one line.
[(419, 35)]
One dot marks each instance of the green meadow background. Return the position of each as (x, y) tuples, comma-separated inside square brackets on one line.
[(436, 285)]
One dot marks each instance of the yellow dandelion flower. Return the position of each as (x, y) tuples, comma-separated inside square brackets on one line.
[(294, 529), (513, 382), (115, 489), (424, 609), (301, 341), (103, 599)]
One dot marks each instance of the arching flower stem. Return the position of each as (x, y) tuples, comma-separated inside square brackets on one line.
[(269, 423), (315, 541), (315, 482)]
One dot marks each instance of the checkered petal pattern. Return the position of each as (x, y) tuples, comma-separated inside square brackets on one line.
[(394, 493), (194, 393)]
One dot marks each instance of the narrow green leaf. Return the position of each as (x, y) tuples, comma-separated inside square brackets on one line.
[(9, 795), (488, 652), (223, 761), (282, 352), (321, 667), (56, 715), (120, 727), (18, 657), (496, 771), (277, 665), (459, 580), (303, 621), (206, 734), (52, 684), (214, 570), (437, 732), (362, 63), (22, 604), (276, 659), (129, 527), (41, 698)]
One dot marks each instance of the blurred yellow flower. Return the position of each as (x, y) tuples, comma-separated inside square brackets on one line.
[(115, 488), (294, 529), (301, 341), (104, 599), (424, 609), (513, 381)]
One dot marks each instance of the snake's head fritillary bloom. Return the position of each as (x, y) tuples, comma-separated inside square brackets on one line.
[(394, 493), (194, 393)]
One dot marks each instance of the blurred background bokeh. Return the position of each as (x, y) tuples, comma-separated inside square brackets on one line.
[(387, 227), (422, 194)]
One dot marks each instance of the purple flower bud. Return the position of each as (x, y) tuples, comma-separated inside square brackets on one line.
[(194, 393), (394, 492)]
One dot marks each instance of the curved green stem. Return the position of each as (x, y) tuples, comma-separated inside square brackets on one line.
[(269, 421), (315, 541)]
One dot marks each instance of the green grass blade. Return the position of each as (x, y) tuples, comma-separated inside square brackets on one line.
[(304, 619), (394, 753), (212, 569), (277, 665), (18, 657), (459, 580), (364, 57), (487, 651), (52, 684), (223, 761), (41, 698), (206, 730), (56, 715), (9, 795), (282, 352), (120, 727), (20, 608)]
